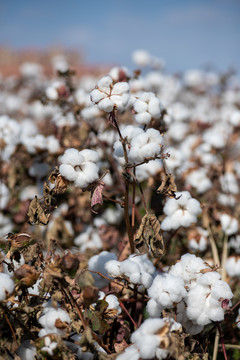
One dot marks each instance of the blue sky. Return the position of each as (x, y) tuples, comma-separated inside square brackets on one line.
[(186, 33)]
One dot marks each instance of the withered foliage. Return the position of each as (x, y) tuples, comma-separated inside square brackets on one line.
[(148, 238), (168, 186)]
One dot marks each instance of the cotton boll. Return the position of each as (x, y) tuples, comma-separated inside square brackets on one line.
[(235, 243), (48, 318), (6, 225), (154, 308), (89, 239), (229, 224), (97, 263), (113, 303), (141, 58), (229, 183), (144, 171), (199, 180), (177, 131), (71, 157), (113, 268), (26, 351), (4, 195), (233, 266), (131, 352), (6, 287)]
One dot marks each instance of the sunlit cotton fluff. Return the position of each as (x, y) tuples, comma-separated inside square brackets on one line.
[(97, 263), (107, 96), (181, 212), (79, 166), (229, 224), (141, 58), (149, 337), (189, 268), (48, 318), (229, 183), (199, 180), (204, 300), (6, 286), (233, 266), (198, 239), (112, 301), (145, 145), (165, 291), (137, 268), (144, 171), (146, 106)]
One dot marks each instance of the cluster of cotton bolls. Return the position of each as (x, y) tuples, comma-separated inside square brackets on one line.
[(181, 211), (198, 291), (150, 339), (141, 144), (137, 268)]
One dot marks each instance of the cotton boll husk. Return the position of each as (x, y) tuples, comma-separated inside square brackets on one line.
[(71, 157), (68, 172), (6, 287), (106, 105)]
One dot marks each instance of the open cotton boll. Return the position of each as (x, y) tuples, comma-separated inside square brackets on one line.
[(97, 263), (6, 286), (188, 268), (48, 318), (61, 120), (235, 243), (191, 326), (107, 96), (88, 239), (229, 224), (144, 171), (112, 301), (177, 131), (180, 212), (4, 195), (229, 183), (197, 239), (130, 352), (141, 58), (146, 106), (26, 351), (199, 180), (233, 266), (78, 166), (204, 300), (166, 290), (6, 225)]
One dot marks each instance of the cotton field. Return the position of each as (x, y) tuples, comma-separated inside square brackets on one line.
[(119, 223)]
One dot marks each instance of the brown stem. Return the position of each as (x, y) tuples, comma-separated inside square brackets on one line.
[(222, 342), (127, 312)]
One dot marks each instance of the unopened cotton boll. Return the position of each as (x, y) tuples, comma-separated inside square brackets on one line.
[(6, 286), (229, 224)]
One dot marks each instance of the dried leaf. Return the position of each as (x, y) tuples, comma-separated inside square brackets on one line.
[(168, 186), (96, 197), (148, 237), (36, 213)]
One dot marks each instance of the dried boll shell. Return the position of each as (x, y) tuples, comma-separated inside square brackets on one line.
[(27, 275), (69, 262)]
